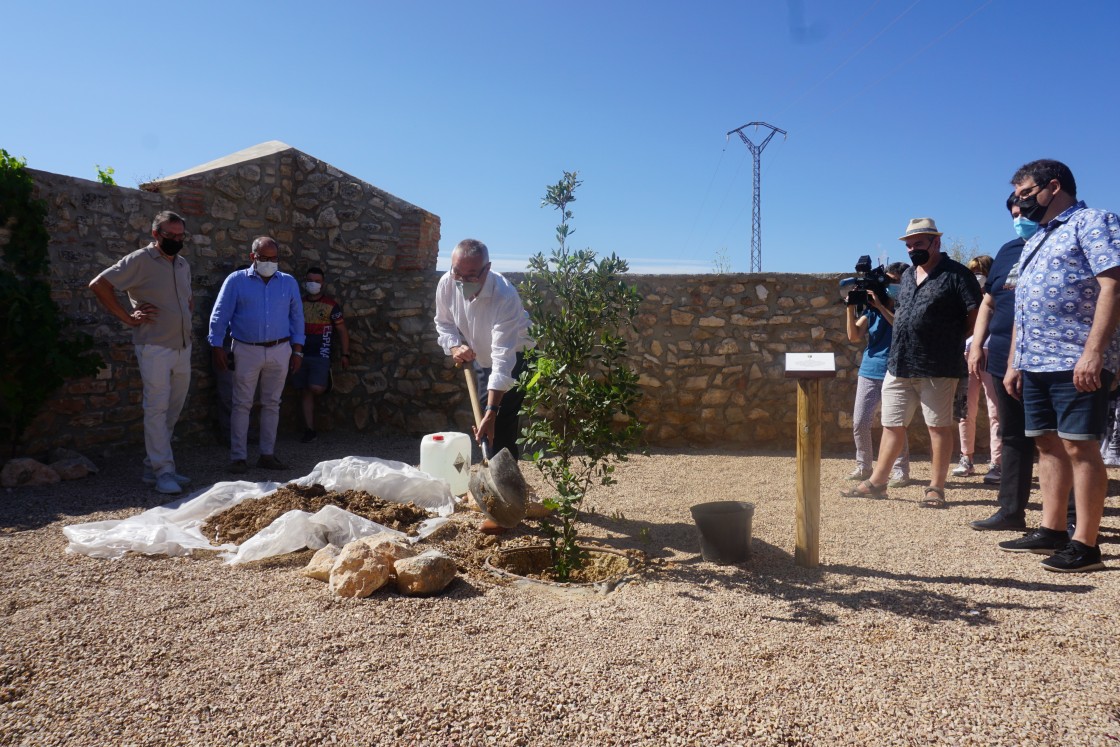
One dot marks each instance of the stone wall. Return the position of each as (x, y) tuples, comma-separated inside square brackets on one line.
[(709, 348), (369, 243), (710, 351)]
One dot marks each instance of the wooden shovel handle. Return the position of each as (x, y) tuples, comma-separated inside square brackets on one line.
[(472, 385)]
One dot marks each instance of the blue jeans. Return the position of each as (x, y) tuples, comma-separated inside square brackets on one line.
[(1052, 403)]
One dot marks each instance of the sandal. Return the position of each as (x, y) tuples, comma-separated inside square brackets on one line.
[(866, 489), (938, 499)]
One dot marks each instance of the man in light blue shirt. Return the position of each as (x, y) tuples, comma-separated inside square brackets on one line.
[(1066, 355), (262, 308)]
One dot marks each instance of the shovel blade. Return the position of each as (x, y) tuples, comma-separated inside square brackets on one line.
[(500, 490)]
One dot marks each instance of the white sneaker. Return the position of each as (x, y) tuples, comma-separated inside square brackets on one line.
[(964, 469), (859, 474), (150, 479), (168, 485), (899, 480)]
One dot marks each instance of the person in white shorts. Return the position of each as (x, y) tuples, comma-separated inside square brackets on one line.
[(937, 304)]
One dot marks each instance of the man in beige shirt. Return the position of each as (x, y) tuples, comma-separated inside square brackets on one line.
[(158, 284)]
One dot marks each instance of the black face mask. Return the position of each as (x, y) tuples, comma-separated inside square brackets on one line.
[(170, 247), (1031, 210), (919, 256)]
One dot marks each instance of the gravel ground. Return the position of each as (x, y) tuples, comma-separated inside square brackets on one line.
[(913, 630)]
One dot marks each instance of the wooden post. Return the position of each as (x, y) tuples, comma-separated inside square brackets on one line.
[(809, 369), (808, 472)]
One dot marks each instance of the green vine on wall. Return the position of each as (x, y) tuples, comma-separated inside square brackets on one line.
[(105, 175), (38, 349)]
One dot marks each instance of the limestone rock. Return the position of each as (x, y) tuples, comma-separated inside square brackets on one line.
[(59, 454), (24, 471), (223, 208), (358, 571), (428, 573), (249, 172), (327, 219), (319, 567), (389, 546), (72, 469)]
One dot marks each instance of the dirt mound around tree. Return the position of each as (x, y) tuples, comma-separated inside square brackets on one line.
[(240, 522)]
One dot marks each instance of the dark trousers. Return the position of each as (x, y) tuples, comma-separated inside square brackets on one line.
[(507, 423), (1018, 457)]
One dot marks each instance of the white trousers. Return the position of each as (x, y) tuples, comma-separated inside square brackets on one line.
[(270, 367), (166, 374)]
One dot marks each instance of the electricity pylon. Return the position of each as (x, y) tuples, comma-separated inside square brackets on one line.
[(756, 215)]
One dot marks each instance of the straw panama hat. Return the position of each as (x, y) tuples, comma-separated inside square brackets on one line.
[(920, 226)]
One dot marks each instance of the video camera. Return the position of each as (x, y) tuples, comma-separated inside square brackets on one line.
[(867, 280)]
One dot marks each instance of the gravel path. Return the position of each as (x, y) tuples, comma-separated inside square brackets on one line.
[(914, 630)]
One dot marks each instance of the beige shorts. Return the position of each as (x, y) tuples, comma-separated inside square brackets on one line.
[(901, 398)]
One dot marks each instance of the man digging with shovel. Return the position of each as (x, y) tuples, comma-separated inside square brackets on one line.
[(482, 324)]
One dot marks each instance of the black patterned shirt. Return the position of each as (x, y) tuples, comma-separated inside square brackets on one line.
[(931, 322)]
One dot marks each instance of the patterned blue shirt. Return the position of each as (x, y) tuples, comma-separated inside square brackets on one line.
[(256, 311), (1058, 289)]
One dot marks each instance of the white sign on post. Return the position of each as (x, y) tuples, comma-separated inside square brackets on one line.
[(810, 365)]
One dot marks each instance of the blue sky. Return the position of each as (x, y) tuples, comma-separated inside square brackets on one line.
[(894, 108)]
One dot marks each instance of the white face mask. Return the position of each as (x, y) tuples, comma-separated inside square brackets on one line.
[(312, 288), (469, 290), (981, 279), (267, 269)]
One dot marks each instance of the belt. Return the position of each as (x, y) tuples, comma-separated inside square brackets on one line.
[(269, 344)]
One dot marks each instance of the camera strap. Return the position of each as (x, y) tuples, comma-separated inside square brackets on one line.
[(1027, 261)]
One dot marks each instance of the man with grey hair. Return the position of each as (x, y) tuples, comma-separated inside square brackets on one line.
[(482, 323), (157, 281), (262, 309)]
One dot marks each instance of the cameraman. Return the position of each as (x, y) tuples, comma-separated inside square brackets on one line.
[(875, 323)]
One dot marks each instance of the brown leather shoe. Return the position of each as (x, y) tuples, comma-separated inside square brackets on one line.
[(268, 461)]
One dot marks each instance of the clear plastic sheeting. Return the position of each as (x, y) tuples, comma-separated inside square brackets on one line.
[(393, 481), (171, 529), (330, 525), (175, 528)]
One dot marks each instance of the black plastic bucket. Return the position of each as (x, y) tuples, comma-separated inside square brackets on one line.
[(725, 530)]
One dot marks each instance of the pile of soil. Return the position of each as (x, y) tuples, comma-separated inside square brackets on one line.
[(459, 538), (242, 521)]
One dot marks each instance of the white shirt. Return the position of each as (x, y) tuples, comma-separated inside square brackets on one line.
[(495, 325)]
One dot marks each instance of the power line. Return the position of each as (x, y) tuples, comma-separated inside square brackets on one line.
[(727, 192), (704, 202), (855, 54), (910, 59)]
